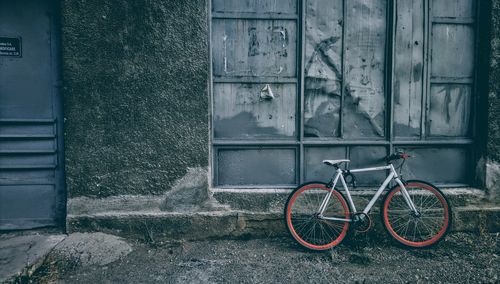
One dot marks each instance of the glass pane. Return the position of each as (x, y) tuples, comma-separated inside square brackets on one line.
[(315, 170), (254, 110), (452, 51), (408, 68), (449, 111), (258, 48), (364, 99), (269, 166), (323, 68)]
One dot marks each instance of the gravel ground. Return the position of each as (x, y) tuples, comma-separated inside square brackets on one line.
[(461, 258)]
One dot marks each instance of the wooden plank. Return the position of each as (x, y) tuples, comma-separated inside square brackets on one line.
[(365, 42), (240, 111), (408, 68), (255, 6), (323, 68), (449, 111), (257, 48)]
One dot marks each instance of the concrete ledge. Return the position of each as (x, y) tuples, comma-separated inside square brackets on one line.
[(163, 226), (252, 200), (273, 200)]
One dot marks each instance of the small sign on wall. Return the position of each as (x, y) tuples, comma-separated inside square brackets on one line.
[(10, 46)]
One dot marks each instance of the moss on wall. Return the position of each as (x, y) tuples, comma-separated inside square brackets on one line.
[(135, 94)]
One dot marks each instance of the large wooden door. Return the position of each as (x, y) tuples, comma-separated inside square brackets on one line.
[(295, 82), (31, 168)]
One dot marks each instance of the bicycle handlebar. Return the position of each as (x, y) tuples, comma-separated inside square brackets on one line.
[(397, 156)]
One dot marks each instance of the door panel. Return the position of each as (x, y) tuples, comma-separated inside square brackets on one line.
[(31, 172)]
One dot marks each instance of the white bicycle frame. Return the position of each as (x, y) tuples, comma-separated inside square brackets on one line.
[(393, 175)]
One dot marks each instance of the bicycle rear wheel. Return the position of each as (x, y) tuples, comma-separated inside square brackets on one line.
[(416, 230), (304, 223)]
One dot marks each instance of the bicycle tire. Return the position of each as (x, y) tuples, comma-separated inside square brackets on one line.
[(400, 222), (302, 221)]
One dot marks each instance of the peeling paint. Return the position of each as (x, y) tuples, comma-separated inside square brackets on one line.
[(244, 47), (251, 110)]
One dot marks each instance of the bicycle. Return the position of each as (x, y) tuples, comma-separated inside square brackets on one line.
[(414, 212)]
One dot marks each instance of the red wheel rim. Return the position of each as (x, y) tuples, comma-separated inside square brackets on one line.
[(292, 229), (430, 241)]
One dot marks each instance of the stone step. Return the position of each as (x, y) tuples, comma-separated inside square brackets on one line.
[(165, 226)]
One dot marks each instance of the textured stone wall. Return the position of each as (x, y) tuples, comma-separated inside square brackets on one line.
[(135, 77), (494, 85), (493, 105)]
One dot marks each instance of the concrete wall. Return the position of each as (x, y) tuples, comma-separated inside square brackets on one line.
[(493, 105), (135, 77)]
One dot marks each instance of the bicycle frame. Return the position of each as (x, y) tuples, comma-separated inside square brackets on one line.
[(393, 175)]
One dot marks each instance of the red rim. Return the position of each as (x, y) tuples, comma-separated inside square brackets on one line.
[(294, 233), (432, 240)]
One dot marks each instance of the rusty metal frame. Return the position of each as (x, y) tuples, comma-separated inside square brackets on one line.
[(299, 142)]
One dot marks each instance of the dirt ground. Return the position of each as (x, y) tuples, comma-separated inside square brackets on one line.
[(461, 258)]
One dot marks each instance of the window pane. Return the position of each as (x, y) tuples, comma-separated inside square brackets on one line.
[(315, 170), (408, 68), (241, 111), (452, 51), (438, 164), (323, 68), (368, 156), (455, 8), (449, 110), (255, 6), (259, 48), (269, 166), (365, 39)]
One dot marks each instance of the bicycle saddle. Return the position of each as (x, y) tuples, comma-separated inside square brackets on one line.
[(335, 162)]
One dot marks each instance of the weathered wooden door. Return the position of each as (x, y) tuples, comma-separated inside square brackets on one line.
[(295, 82), (31, 170)]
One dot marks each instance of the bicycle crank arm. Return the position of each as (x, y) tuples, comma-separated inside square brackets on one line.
[(335, 219)]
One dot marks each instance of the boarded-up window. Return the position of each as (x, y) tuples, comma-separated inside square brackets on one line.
[(296, 82)]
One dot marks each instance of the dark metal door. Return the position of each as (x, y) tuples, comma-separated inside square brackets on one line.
[(32, 190), (353, 79)]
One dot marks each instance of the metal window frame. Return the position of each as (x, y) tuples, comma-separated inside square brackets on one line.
[(299, 142)]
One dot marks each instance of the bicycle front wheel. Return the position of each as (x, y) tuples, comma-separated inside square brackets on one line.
[(424, 229), (303, 220)]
